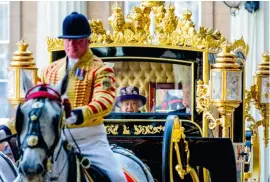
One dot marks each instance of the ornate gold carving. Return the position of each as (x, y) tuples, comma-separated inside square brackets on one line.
[(169, 29), (55, 44), (99, 34), (202, 97), (204, 103), (112, 129), (149, 129), (254, 95), (126, 130), (178, 134), (240, 45)]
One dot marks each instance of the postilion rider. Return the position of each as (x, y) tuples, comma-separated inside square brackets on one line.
[(91, 92)]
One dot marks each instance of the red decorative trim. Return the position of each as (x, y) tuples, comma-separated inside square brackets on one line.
[(129, 177), (94, 109), (107, 100), (102, 105), (109, 70), (106, 92)]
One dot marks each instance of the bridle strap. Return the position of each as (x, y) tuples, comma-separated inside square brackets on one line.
[(43, 94)]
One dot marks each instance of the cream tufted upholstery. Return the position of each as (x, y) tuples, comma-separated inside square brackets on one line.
[(140, 74)]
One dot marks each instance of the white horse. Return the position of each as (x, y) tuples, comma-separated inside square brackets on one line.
[(44, 153)]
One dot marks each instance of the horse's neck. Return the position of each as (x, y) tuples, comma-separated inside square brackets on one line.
[(60, 165)]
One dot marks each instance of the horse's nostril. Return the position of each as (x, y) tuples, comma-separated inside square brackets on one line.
[(27, 169), (40, 168)]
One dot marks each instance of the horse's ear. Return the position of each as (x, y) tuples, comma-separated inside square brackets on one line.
[(19, 119), (62, 85), (27, 83)]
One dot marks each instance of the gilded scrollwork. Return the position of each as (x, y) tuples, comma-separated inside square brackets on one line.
[(203, 104), (178, 136), (55, 43), (116, 129), (126, 130), (202, 97), (149, 129), (240, 45), (112, 129)]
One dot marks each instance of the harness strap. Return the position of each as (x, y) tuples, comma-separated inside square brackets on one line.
[(72, 169), (94, 173)]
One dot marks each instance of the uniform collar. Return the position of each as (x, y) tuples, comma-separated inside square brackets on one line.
[(88, 55)]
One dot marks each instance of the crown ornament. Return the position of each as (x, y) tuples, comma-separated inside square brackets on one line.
[(116, 8), (169, 30)]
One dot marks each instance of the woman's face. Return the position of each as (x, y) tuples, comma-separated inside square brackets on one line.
[(130, 106), (75, 48)]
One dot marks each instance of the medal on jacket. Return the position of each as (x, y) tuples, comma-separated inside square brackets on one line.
[(80, 73)]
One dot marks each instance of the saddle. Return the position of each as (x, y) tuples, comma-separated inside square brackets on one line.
[(83, 169)]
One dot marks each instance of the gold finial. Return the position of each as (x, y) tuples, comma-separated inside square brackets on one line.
[(187, 14), (170, 8), (22, 45), (199, 82), (152, 4), (22, 57), (226, 47), (265, 56), (264, 66), (226, 58), (137, 9), (116, 8)]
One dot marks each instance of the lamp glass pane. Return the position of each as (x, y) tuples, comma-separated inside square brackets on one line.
[(30, 75), (234, 85), (216, 85), (265, 90), (11, 88)]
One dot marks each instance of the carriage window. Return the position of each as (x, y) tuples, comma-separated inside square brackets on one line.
[(152, 87)]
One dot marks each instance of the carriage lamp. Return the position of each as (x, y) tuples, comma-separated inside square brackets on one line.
[(259, 95), (22, 59), (224, 91), (226, 86)]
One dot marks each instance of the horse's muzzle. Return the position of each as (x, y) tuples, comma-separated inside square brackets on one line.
[(28, 169)]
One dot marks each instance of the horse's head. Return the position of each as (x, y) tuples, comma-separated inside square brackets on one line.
[(38, 125)]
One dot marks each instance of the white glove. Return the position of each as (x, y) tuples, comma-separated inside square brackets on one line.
[(72, 119), (2, 134)]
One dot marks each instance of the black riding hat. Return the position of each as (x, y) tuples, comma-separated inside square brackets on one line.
[(75, 26)]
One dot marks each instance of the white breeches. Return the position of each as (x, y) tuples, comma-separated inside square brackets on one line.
[(94, 145)]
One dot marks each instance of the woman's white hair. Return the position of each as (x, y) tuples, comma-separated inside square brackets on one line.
[(140, 103)]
